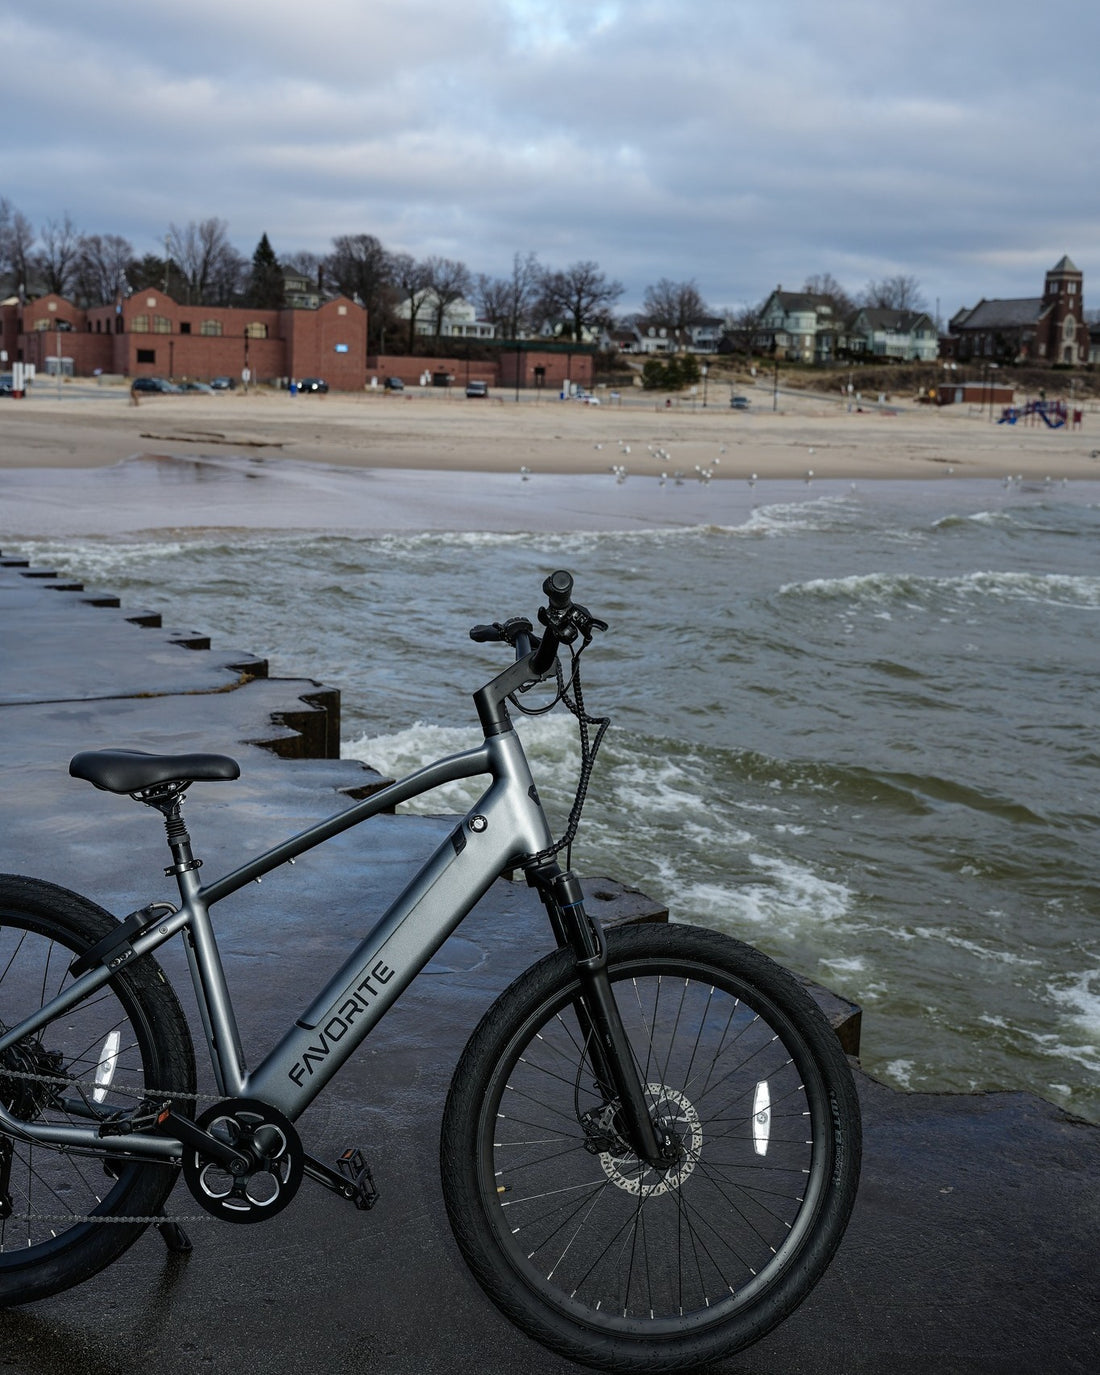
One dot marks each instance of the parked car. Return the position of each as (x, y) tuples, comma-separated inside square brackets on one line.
[(222, 383), (739, 403), (394, 384), (313, 384), (155, 384), (200, 387), (7, 383), (477, 389)]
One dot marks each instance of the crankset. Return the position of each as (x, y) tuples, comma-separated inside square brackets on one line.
[(259, 1172)]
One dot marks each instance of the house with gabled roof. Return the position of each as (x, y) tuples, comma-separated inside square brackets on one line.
[(880, 332), (1050, 328), (797, 325)]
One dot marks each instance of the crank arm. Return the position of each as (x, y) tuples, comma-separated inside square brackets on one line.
[(171, 1123)]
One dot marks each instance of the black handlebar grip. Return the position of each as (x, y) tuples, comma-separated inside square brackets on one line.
[(558, 588), (483, 633)]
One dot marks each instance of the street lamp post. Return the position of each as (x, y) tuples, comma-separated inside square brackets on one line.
[(775, 386), (704, 371)]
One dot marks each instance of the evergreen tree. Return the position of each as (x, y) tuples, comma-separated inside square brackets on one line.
[(265, 285)]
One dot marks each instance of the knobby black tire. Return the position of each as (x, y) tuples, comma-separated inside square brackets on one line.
[(590, 1250), (135, 1029)]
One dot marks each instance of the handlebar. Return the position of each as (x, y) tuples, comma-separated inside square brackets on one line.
[(562, 620), (561, 617)]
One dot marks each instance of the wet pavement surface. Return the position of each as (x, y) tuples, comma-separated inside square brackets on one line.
[(973, 1243)]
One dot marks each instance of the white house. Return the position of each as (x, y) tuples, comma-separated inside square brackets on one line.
[(797, 325), (878, 332), (460, 318), (652, 339)]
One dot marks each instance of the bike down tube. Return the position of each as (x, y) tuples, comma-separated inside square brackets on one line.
[(505, 827), (215, 1006)]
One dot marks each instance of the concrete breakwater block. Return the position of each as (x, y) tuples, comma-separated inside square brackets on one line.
[(78, 672)]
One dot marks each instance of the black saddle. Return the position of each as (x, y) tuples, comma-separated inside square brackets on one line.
[(131, 771)]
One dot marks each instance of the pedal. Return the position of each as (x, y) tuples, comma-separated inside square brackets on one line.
[(356, 1171), (351, 1179)]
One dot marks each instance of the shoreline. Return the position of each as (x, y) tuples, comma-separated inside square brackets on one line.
[(225, 493)]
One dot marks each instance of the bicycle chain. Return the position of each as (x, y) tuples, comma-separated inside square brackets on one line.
[(91, 1217)]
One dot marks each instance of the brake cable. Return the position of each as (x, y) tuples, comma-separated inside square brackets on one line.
[(589, 745)]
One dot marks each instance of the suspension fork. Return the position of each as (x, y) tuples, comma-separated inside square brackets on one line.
[(597, 1011)]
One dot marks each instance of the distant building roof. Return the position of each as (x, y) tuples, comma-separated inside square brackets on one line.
[(885, 318), (1065, 264), (801, 300), (1004, 314)]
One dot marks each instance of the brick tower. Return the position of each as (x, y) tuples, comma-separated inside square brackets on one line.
[(1064, 311)]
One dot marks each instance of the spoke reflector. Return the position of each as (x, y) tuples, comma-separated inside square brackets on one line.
[(761, 1118), (105, 1070)]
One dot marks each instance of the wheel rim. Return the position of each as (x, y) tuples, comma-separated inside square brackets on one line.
[(601, 1235), (103, 1046)]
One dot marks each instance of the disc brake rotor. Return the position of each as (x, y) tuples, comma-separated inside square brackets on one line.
[(674, 1112)]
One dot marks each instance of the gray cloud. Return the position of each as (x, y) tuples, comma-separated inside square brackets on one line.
[(736, 143)]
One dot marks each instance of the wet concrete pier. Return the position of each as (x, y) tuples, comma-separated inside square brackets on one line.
[(973, 1243)]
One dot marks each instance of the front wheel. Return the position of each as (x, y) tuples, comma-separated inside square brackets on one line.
[(588, 1248)]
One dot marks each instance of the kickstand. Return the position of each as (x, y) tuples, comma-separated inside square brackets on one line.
[(175, 1238)]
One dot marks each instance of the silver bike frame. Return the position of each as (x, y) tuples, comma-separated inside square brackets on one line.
[(504, 828)]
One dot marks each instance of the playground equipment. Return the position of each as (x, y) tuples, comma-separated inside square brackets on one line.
[(1052, 413)]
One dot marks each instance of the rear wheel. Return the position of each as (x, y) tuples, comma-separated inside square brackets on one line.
[(598, 1254), (128, 1040)]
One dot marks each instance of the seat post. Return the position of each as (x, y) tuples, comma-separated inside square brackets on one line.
[(167, 798)]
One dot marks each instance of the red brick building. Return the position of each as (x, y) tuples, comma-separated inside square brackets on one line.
[(150, 334), (541, 366)]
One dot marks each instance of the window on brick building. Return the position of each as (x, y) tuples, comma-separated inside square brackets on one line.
[(256, 330), (161, 324), (139, 324), (185, 326), (147, 355), (211, 327)]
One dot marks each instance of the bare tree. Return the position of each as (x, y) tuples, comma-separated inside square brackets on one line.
[(202, 252), (16, 245), (899, 292), (509, 301), (228, 279), (674, 304), (360, 268), (102, 265), (491, 295), (412, 280), (449, 281), (580, 297), (742, 326), (825, 284), (56, 260), (306, 264)]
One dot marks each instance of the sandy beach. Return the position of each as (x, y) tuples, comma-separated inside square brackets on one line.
[(80, 424)]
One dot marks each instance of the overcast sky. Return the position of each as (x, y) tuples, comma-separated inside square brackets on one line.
[(739, 144)]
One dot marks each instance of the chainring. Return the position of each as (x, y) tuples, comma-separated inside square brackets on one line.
[(270, 1141)]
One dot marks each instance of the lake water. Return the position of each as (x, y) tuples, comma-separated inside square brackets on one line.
[(855, 726)]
